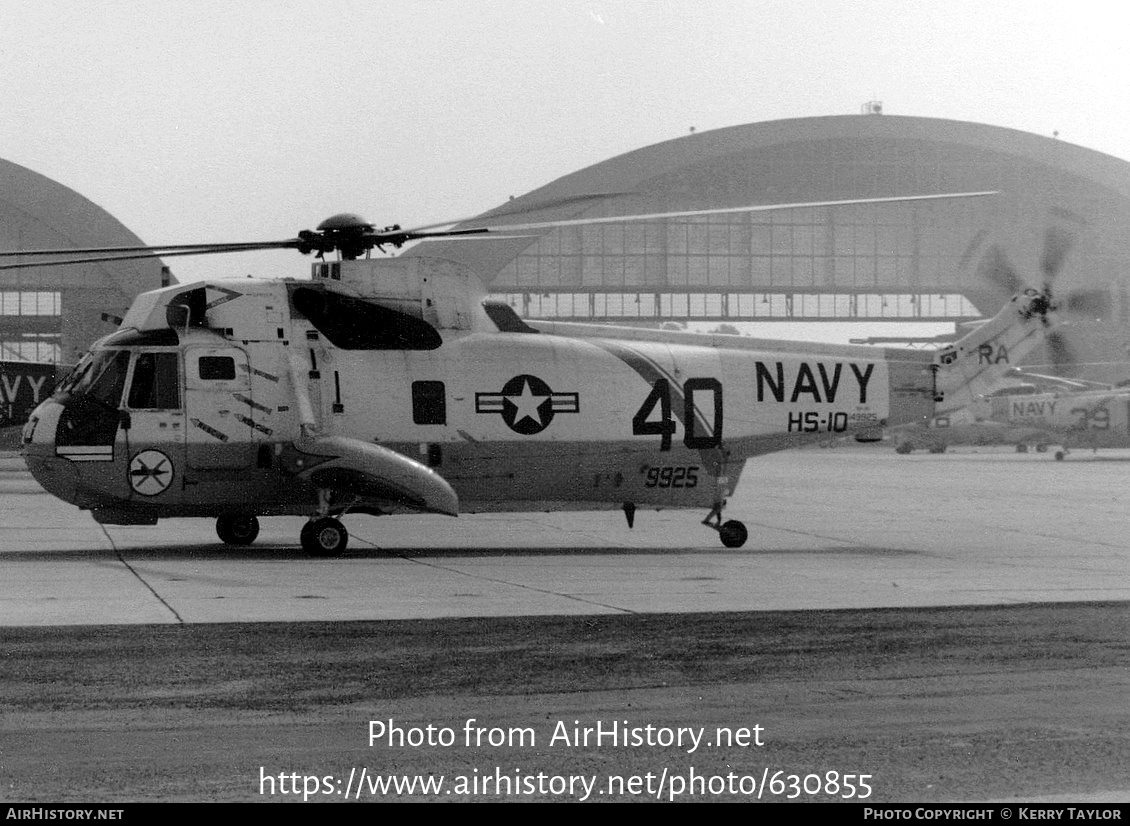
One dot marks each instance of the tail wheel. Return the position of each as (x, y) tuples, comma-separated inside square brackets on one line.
[(237, 529), (324, 537), (733, 534)]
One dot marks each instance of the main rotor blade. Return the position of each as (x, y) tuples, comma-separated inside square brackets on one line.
[(419, 232), (352, 238), (524, 209), (539, 206), (474, 237), (99, 259), (152, 249)]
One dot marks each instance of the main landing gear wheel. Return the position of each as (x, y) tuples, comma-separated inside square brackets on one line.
[(324, 537), (237, 529), (733, 534)]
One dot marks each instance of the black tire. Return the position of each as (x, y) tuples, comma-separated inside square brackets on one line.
[(1059, 454), (324, 537), (733, 534), (904, 448), (237, 528)]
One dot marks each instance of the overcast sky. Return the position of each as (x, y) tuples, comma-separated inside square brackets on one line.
[(231, 121)]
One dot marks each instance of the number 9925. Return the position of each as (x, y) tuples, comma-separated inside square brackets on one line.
[(671, 477)]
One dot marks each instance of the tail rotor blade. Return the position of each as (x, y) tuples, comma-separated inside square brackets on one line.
[(1057, 244), (1092, 303), (998, 270), (1060, 352)]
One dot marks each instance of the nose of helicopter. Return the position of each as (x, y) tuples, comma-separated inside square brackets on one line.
[(57, 476)]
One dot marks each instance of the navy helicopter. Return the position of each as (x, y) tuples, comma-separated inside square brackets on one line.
[(394, 385)]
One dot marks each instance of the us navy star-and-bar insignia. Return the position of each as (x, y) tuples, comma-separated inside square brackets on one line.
[(150, 472), (526, 404)]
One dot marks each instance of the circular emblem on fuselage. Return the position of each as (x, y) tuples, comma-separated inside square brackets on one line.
[(150, 472), (526, 404)]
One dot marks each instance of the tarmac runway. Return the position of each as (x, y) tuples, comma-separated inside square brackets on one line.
[(951, 627), (839, 528)]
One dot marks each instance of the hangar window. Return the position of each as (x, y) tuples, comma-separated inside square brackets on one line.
[(29, 303), (42, 348), (30, 324)]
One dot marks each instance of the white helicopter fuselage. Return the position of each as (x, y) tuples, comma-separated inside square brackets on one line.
[(333, 395), (1096, 418)]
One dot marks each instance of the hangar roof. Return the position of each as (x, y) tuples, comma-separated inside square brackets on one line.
[(658, 170), (39, 213)]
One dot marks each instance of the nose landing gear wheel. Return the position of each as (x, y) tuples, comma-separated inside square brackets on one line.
[(324, 537), (733, 534), (237, 529)]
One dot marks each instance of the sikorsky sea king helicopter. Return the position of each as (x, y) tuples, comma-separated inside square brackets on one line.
[(1026, 415), (393, 385), (1029, 407)]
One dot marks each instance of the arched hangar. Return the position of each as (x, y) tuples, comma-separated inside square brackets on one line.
[(904, 261), (898, 262), (52, 313)]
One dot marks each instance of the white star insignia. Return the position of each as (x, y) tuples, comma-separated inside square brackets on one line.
[(527, 404)]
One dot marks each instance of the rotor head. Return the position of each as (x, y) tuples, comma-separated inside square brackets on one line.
[(347, 233)]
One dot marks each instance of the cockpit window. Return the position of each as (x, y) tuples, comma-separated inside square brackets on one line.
[(76, 374), (103, 377), (155, 384)]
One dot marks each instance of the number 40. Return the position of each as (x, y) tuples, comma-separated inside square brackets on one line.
[(660, 396)]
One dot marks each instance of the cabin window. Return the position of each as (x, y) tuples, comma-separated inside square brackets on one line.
[(356, 324), (156, 384), (429, 404), (217, 368)]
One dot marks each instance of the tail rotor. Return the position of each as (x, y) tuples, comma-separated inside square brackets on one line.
[(995, 269)]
